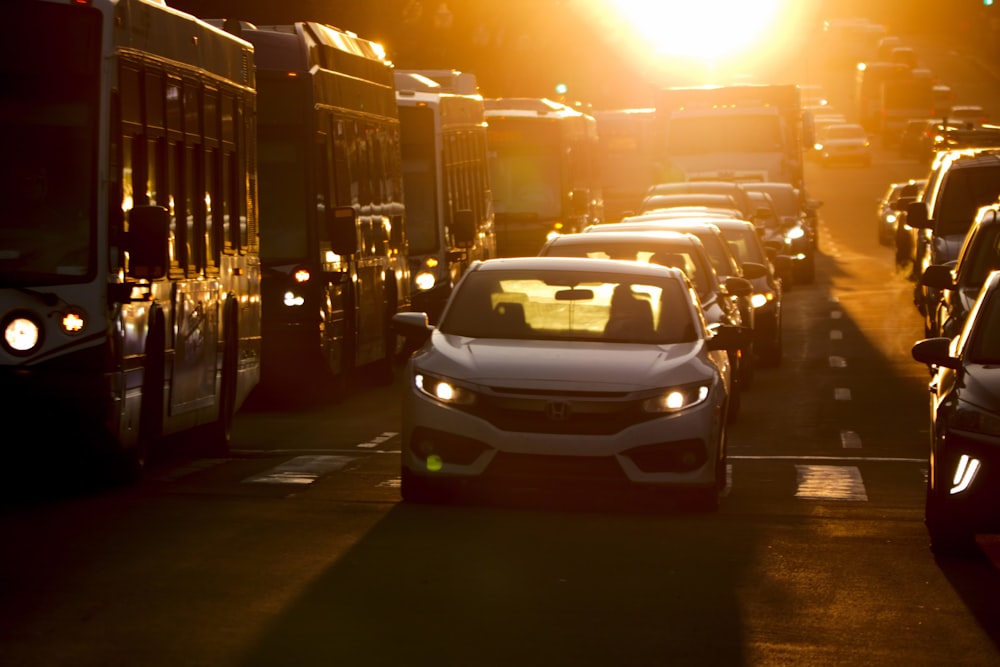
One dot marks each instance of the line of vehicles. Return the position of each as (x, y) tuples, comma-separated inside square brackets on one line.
[(944, 225), (195, 209), (615, 359)]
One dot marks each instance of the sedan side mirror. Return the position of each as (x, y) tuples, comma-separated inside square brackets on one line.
[(935, 352), (938, 276)]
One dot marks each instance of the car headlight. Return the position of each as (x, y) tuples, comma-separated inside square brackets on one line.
[(795, 233), (424, 280), (443, 390), (761, 299), (676, 399), (972, 420)]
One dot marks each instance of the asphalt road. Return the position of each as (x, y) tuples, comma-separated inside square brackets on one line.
[(296, 550)]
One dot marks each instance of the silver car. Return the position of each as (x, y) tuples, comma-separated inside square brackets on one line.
[(567, 372)]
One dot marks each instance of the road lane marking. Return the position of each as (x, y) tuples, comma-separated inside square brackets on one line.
[(836, 314), (822, 482), (838, 362), (836, 334), (841, 394), (850, 440), (300, 470), (378, 440)]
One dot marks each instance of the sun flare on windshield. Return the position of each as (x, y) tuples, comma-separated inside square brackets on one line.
[(700, 31)]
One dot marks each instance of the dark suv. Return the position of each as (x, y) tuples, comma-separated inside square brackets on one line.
[(958, 186)]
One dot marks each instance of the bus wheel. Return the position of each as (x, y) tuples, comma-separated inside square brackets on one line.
[(382, 372), (215, 437), (150, 439)]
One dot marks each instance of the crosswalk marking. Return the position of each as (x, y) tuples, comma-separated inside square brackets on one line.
[(850, 440), (300, 470), (816, 477), (823, 482), (378, 440)]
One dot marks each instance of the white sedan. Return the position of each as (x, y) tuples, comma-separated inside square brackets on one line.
[(843, 143), (549, 371)]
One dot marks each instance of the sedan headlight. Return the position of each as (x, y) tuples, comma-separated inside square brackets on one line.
[(795, 233), (676, 399), (761, 299), (442, 389)]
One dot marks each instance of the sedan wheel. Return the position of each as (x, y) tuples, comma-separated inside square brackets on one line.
[(950, 536)]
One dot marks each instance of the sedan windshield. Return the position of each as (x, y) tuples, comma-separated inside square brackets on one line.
[(567, 305), (984, 342)]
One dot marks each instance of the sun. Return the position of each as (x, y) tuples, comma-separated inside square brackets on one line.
[(701, 31), (707, 35)]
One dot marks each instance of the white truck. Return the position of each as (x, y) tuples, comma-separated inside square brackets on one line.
[(746, 132)]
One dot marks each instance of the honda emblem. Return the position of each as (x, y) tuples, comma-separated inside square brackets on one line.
[(557, 411)]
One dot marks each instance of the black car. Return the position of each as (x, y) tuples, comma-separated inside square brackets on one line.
[(959, 184), (958, 283), (963, 482), (744, 241)]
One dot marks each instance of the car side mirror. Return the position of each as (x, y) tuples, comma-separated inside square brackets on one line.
[(916, 215), (414, 327), (938, 276), (737, 286), (754, 270), (727, 337), (935, 352)]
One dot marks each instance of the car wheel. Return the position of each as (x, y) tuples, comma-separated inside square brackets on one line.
[(423, 491), (706, 499), (771, 357), (807, 271), (949, 535)]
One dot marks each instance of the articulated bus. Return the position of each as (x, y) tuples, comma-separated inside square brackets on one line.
[(332, 242), (449, 205), (543, 170), (129, 273)]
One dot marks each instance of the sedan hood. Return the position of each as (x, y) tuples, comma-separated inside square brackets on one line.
[(982, 387), (557, 365)]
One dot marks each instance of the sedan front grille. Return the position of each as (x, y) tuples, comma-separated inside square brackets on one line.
[(582, 413)]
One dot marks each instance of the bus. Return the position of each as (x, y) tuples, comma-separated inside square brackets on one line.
[(543, 170), (332, 239), (868, 82), (129, 271), (446, 181), (627, 158)]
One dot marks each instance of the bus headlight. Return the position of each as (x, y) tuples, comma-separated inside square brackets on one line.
[(21, 333), (424, 281)]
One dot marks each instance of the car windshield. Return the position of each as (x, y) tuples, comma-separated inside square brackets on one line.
[(844, 132), (745, 244), (966, 191), (981, 257), (984, 343), (682, 255), (571, 306), (786, 201)]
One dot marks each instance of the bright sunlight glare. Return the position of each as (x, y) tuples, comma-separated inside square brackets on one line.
[(706, 31), (697, 42)]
